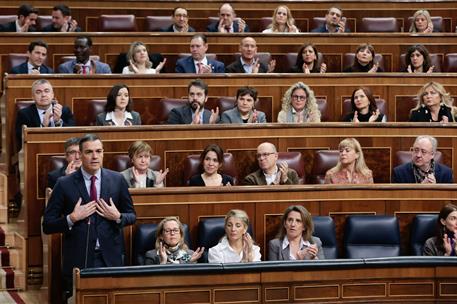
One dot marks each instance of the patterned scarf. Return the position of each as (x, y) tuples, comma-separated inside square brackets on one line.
[(420, 175)]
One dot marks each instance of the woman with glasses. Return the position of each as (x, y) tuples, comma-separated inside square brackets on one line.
[(211, 160), (364, 108), (445, 241), (237, 244), (434, 104), (169, 245), (351, 167), (295, 239), (299, 105)]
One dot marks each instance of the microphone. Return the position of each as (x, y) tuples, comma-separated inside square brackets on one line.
[(87, 242)]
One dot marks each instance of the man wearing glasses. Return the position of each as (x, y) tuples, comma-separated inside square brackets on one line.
[(423, 169), (180, 22), (271, 172), (72, 161)]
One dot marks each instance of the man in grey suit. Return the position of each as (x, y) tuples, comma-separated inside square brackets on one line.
[(194, 111), (83, 64), (271, 172)]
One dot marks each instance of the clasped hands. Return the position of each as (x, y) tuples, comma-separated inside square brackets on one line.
[(193, 259), (212, 119), (54, 112), (307, 253), (282, 178), (108, 211)]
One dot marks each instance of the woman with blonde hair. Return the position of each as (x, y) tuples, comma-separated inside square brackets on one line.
[(351, 167), (434, 104), (422, 22), (139, 62), (299, 105), (282, 21), (236, 245), (170, 247)]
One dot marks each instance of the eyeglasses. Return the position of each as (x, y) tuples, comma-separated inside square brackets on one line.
[(421, 151), (299, 97), (263, 155), (170, 231)]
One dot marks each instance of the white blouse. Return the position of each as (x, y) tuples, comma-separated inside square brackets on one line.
[(223, 253), (126, 70)]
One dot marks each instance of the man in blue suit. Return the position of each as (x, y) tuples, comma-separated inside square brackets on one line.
[(90, 207), (198, 62), (83, 64), (228, 23), (423, 169), (194, 111), (37, 53)]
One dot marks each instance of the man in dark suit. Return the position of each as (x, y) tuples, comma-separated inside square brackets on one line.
[(62, 21), (334, 22), (26, 20), (198, 62), (423, 169), (249, 62), (72, 161), (194, 112), (37, 53), (45, 112), (228, 23), (180, 22), (90, 208), (270, 171), (83, 64)]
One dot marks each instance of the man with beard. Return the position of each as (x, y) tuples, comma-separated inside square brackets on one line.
[(249, 62), (194, 112), (83, 64), (62, 21), (334, 22), (26, 20)]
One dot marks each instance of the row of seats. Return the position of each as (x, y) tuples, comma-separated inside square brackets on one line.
[(443, 62), (323, 161), (128, 23), (364, 236)]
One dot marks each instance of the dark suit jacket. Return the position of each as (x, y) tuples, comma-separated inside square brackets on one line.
[(64, 197), (50, 28), (24, 69), (186, 65), (212, 27), (183, 115), (258, 178), (404, 174), (101, 119), (237, 67), (29, 117), (276, 253), (323, 29), (11, 27), (54, 175), (170, 29)]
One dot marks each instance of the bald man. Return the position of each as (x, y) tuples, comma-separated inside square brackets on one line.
[(249, 62), (228, 23), (271, 172)]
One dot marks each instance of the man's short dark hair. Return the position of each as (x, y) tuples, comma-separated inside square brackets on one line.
[(63, 8), (86, 138), (201, 36), (72, 141), (177, 8), (26, 9), (199, 84), (337, 7), (247, 91), (35, 43), (89, 40)]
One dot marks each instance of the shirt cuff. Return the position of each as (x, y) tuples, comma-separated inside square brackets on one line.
[(69, 222)]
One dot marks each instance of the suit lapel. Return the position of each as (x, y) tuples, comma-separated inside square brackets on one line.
[(35, 116), (191, 64), (81, 186), (105, 186)]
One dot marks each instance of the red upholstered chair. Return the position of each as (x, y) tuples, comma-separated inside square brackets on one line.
[(435, 60), (317, 22), (265, 22), (157, 23), (291, 59), (43, 21), (381, 24), (403, 157), (7, 18), (450, 63), (436, 20), (15, 59), (322, 105), (89, 117), (403, 106), (380, 103), (166, 105), (295, 161), (192, 164), (348, 60), (117, 23), (122, 162), (262, 104), (323, 161)]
